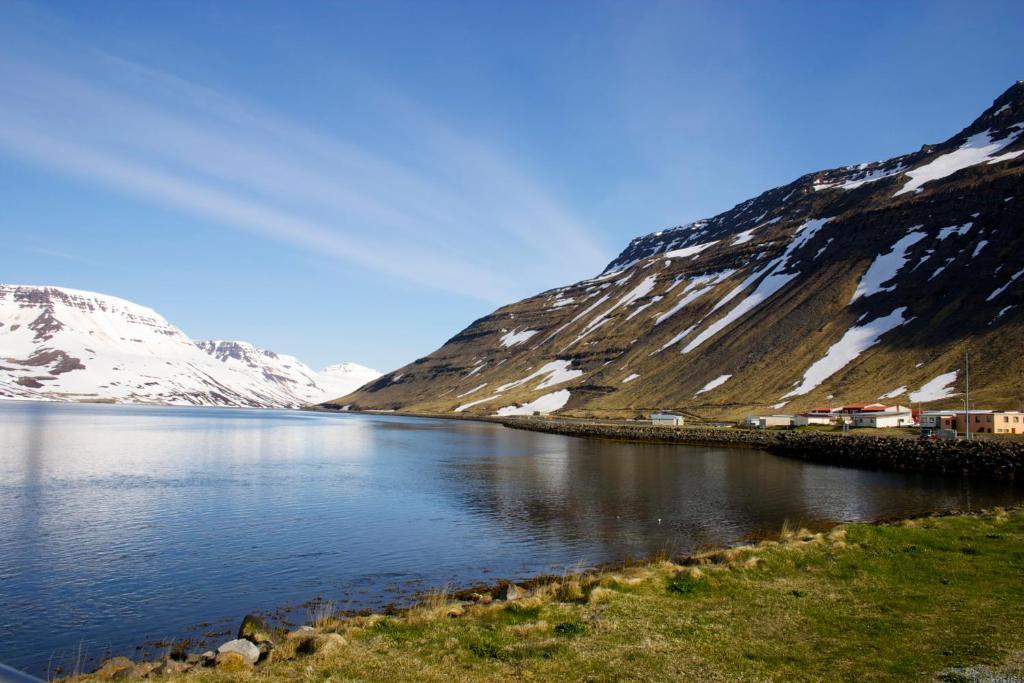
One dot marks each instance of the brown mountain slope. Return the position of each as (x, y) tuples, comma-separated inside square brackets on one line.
[(845, 285)]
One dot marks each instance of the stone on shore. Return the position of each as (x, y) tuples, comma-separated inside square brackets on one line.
[(244, 648), (112, 666), (255, 629)]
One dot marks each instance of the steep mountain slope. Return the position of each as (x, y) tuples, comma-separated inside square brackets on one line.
[(850, 284), (64, 344)]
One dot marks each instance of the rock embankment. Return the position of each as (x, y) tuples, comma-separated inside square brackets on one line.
[(999, 459)]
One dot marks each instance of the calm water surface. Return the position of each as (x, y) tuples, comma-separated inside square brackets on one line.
[(123, 524)]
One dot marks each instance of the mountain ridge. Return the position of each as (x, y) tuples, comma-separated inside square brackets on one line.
[(845, 284), (59, 343)]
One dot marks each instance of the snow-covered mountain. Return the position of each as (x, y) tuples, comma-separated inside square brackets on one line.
[(65, 344), (344, 378), (860, 283)]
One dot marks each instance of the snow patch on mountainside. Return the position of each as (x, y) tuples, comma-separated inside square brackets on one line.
[(935, 389), (713, 384), (898, 391), (516, 337), (975, 150), (555, 372), (545, 404), (857, 339), (776, 279), (688, 251), (885, 266), (477, 402), (1000, 290), (695, 289)]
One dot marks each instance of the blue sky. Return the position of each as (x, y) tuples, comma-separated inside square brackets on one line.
[(360, 180)]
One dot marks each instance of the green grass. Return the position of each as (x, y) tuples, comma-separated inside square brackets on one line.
[(863, 602)]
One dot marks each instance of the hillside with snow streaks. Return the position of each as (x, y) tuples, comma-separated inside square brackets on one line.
[(844, 283), (72, 345)]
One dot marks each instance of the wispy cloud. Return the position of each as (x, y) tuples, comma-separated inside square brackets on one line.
[(449, 210), (56, 253)]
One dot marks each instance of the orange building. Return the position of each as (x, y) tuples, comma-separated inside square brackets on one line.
[(983, 421)]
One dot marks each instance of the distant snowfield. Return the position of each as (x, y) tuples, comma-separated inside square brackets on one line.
[(65, 344)]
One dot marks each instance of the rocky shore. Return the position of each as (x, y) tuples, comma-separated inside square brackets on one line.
[(996, 459)]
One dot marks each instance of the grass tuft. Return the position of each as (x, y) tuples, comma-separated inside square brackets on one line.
[(684, 584)]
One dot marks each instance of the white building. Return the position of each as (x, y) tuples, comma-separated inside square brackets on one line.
[(813, 419), (765, 421), (890, 416), (667, 420)]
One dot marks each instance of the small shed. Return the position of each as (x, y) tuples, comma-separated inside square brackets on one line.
[(665, 419), (765, 421)]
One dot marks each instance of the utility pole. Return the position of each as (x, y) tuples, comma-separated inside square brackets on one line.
[(967, 399)]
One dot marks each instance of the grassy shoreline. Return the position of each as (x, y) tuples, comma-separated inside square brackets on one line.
[(919, 599)]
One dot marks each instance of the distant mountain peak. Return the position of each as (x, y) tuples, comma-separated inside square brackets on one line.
[(66, 344)]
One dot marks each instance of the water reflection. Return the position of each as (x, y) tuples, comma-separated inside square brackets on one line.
[(124, 523)]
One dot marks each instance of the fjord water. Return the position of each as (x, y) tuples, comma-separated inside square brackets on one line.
[(121, 525)]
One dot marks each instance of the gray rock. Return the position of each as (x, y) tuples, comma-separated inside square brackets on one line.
[(248, 650)]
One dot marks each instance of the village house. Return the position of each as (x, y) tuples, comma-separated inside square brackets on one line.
[(666, 419), (878, 416)]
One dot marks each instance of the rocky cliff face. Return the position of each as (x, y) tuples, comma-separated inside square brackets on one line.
[(859, 283), (64, 344)]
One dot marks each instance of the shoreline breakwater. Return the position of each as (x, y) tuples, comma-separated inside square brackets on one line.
[(989, 458)]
